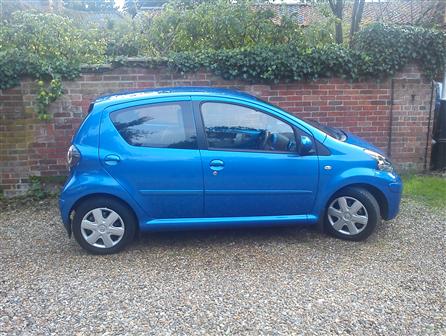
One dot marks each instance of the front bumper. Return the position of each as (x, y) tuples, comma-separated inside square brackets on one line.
[(393, 195)]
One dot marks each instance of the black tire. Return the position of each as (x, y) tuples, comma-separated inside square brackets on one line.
[(371, 207), (127, 216)]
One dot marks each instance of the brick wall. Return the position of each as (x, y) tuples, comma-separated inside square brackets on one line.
[(29, 147)]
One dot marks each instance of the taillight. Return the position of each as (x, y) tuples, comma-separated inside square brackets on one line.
[(73, 156)]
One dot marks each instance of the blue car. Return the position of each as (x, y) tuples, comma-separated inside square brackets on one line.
[(192, 158)]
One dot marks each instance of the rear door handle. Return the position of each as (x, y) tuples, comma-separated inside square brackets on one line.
[(112, 159), (217, 165)]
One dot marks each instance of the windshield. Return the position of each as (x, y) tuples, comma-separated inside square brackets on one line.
[(331, 131)]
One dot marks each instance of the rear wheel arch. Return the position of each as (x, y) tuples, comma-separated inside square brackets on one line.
[(103, 195)]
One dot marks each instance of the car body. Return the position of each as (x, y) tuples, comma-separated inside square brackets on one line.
[(188, 158)]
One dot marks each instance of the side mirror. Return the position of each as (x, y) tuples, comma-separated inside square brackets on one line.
[(306, 145)]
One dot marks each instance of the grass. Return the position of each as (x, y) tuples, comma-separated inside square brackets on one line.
[(430, 189)]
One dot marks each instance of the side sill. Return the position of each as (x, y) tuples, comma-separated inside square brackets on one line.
[(226, 222)]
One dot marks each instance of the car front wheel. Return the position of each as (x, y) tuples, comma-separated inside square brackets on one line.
[(352, 214)]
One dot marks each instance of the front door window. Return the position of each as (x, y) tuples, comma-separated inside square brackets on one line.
[(236, 127)]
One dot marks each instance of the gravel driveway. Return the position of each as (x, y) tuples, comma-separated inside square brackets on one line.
[(259, 281)]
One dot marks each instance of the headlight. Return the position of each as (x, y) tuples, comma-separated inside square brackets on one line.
[(382, 163)]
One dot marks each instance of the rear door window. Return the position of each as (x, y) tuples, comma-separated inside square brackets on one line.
[(162, 125)]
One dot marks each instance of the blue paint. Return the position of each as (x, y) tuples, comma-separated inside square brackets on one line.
[(201, 187)]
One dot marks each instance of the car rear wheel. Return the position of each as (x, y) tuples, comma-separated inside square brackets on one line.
[(352, 214), (103, 225)]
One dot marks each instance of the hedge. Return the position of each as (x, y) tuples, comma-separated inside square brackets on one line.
[(377, 51)]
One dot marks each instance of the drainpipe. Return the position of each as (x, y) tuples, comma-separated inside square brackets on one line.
[(389, 143), (440, 152), (443, 91), (428, 134)]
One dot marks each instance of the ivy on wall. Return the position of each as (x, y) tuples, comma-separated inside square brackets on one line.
[(377, 51), (47, 94), (390, 48), (47, 47)]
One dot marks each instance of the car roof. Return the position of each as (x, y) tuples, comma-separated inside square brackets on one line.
[(172, 91)]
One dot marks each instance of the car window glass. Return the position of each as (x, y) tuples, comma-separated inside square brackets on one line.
[(167, 125), (230, 126)]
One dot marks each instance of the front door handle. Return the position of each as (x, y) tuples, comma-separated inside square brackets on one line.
[(112, 159), (217, 165)]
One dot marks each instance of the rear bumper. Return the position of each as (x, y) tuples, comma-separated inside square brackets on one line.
[(65, 215)]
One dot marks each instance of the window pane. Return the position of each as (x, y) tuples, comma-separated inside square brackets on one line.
[(156, 125), (237, 127)]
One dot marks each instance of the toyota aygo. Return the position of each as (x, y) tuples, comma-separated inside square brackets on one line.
[(189, 158)]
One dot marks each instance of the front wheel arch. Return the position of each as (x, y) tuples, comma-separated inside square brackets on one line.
[(379, 199), (367, 199), (378, 194)]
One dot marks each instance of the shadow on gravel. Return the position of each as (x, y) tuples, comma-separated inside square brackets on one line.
[(215, 237)]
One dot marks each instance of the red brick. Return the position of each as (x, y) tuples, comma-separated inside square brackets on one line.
[(361, 107)]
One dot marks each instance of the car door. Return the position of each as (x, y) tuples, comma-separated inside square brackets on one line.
[(251, 165), (150, 148)]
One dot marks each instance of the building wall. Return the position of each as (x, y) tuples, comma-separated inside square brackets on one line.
[(29, 147)]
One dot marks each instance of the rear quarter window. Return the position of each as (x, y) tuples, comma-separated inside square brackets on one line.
[(166, 125)]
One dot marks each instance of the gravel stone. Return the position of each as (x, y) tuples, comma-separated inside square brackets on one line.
[(276, 281)]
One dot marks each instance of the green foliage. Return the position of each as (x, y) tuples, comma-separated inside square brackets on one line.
[(219, 24), (42, 187), (47, 94), (390, 48), (44, 45), (232, 40), (320, 33), (127, 37), (36, 190), (270, 64), (371, 57), (48, 47)]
